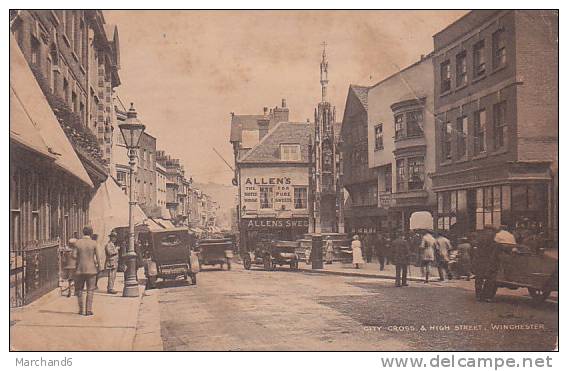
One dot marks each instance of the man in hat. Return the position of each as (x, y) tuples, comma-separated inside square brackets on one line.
[(87, 269), (111, 251)]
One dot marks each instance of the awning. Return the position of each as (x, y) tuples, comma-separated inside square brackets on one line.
[(27, 93), (108, 209), (23, 131)]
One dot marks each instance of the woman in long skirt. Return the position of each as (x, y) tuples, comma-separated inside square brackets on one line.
[(357, 253)]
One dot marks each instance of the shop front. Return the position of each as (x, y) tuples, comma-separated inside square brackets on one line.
[(522, 200), (255, 230)]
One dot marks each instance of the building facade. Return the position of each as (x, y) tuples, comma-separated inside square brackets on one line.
[(273, 180), (388, 149), (496, 106), (50, 190)]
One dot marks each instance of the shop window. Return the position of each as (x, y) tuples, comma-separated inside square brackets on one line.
[(461, 128), (445, 77), (379, 137), (461, 69), (447, 207), (500, 124), (479, 63), (479, 131), (266, 198), (499, 50), (300, 198)]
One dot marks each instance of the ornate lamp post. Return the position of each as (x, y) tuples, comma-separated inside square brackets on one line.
[(131, 131)]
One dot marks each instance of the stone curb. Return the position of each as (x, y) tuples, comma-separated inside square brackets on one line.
[(356, 274)]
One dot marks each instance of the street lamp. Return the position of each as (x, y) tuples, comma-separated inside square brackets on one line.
[(131, 131)]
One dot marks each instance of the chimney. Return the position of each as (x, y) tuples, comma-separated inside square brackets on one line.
[(263, 124), (281, 113)]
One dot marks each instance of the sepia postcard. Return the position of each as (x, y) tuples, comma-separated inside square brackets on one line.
[(283, 180)]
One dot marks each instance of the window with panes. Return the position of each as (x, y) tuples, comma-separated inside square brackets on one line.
[(399, 126), (300, 197), (445, 77), (266, 197), (447, 141), (479, 132), (500, 124), (461, 69), (414, 123), (461, 131), (401, 175), (379, 137), (415, 173), (499, 49), (479, 63)]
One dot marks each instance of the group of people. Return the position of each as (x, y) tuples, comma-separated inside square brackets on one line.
[(425, 249), (82, 268)]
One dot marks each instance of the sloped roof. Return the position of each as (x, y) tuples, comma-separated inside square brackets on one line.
[(28, 91), (247, 122), (361, 92), (268, 149)]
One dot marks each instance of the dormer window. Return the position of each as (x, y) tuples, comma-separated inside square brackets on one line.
[(290, 152)]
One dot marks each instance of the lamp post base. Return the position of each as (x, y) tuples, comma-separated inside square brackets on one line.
[(131, 288)]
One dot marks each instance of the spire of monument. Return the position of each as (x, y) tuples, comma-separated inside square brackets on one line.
[(323, 74)]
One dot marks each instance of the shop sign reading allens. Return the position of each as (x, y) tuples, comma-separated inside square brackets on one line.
[(282, 191)]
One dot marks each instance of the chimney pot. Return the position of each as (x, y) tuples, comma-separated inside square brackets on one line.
[(283, 103), (265, 110)]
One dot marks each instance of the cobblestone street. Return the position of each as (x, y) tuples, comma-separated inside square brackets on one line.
[(282, 310)]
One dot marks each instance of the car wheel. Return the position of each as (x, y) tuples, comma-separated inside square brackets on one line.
[(267, 264), (539, 296), (247, 263)]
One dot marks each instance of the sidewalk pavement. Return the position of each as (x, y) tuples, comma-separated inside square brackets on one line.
[(52, 323), (369, 270)]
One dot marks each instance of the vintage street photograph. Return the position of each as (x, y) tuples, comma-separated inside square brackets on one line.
[(283, 180)]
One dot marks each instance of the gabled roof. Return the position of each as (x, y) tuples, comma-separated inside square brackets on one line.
[(247, 122), (361, 92), (268, 149)]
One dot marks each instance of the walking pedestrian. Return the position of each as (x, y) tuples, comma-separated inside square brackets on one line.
[(87, 269), (485, 260), (70, 263), (369, 246), (328, 250), (427, 247), (464, 257), (357, 253), (380, 250), (400, 252), (111, 263), (443, 246)]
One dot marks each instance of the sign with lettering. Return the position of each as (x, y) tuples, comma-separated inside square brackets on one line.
[(271, 189), (275, 223)]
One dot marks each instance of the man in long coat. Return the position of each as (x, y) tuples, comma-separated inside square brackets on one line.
[(400, 252), (111, 251)]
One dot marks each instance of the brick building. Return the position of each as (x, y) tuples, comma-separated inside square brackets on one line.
[(496, 106)]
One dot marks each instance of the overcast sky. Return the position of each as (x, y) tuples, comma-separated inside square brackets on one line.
[(186, 71)]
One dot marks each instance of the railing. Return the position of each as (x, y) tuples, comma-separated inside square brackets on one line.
[(34, 271)]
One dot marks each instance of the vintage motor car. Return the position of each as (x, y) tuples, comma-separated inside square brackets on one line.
[(271, 254), (213, 251), (167, 254), (522, 267)]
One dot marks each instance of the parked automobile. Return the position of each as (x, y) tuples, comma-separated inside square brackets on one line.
[(167, 254), (213, 251), (271, 254), (522, 267)]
